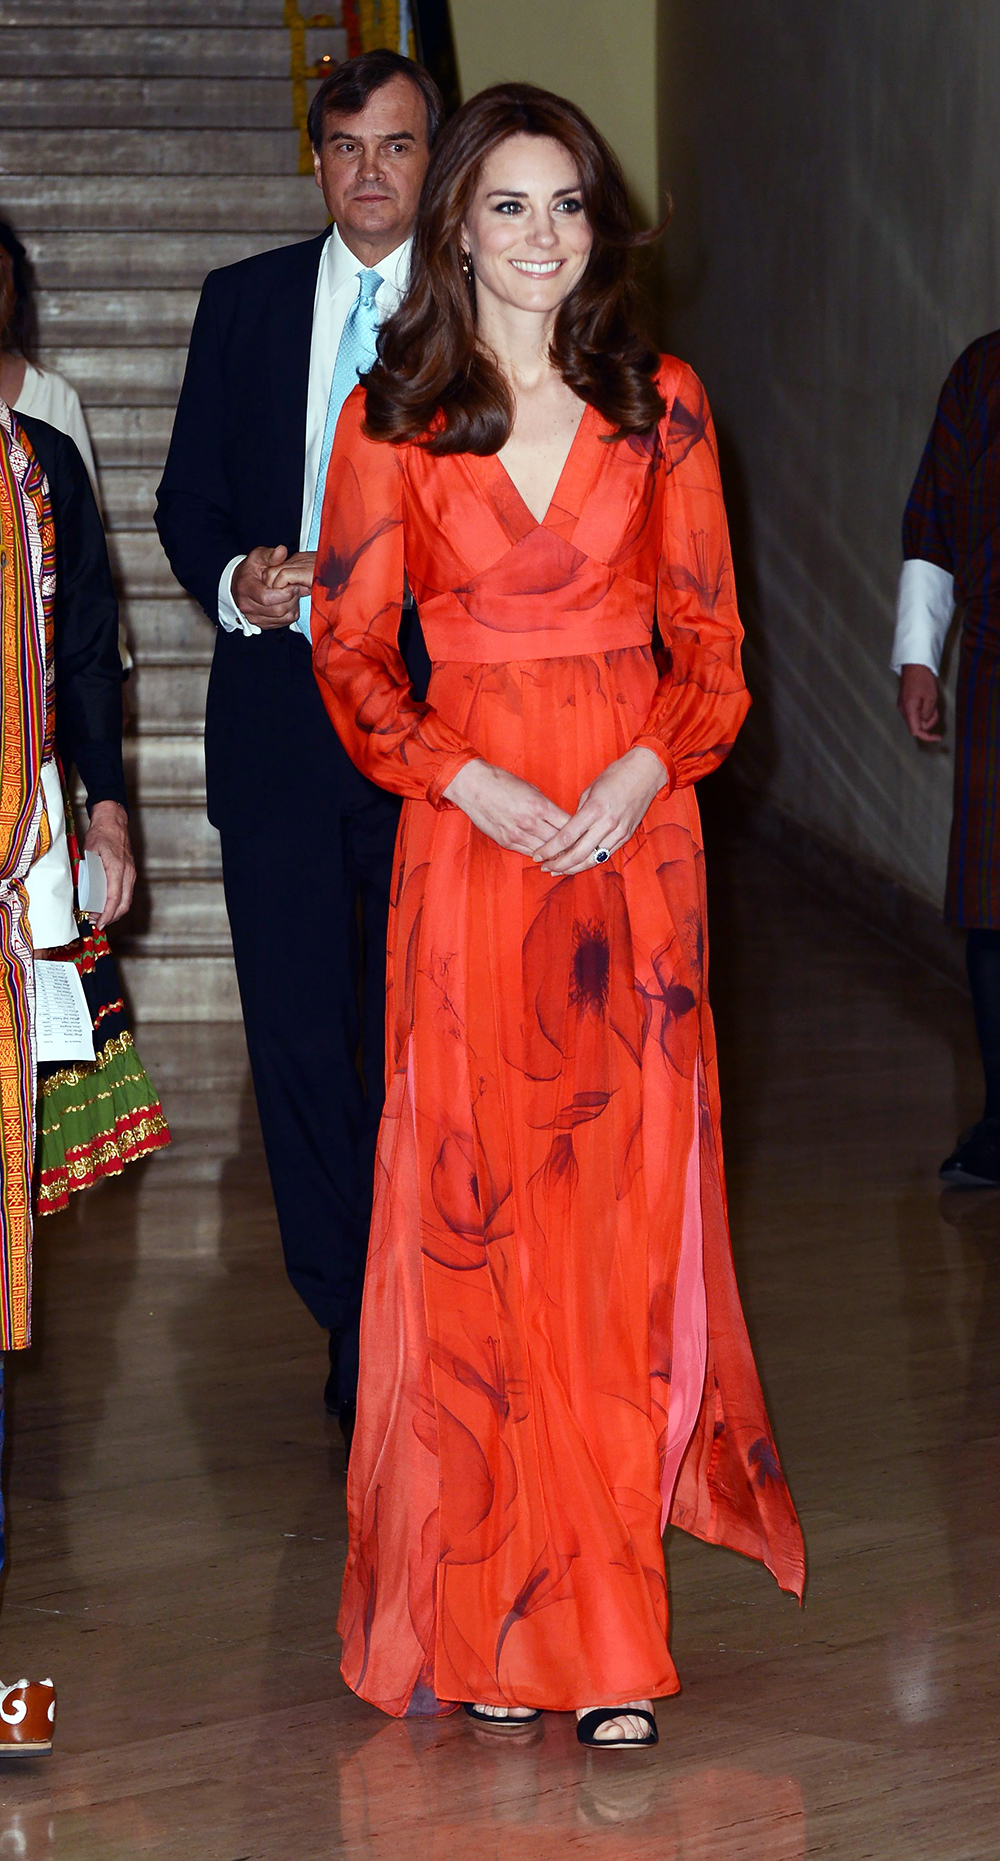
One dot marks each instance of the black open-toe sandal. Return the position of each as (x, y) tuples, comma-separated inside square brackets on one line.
[(493, 1724), (603, 1715)]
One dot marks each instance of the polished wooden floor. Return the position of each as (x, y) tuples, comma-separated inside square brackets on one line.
[(177, 1497)]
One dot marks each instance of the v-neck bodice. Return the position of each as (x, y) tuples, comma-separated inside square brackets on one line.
[(554, 500), (635, 534), (578, 478), (492, 582)]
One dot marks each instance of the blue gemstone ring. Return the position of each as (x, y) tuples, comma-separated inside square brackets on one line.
[(601, 854)]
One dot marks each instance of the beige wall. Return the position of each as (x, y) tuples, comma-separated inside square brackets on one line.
[(603, 55), (836, 242)]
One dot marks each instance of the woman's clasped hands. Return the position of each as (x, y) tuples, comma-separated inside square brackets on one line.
[(521, 818), (512, 812)]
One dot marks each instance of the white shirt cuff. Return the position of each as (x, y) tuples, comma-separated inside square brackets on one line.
[(924, 608), (229, 614)]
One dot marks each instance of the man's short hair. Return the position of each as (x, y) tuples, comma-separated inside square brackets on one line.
[(348, 89)]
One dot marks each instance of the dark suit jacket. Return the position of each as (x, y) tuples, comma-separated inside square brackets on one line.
[(88, 668), (233, 479)]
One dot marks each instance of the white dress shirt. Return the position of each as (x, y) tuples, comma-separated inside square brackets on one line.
[(924, 608), (337, 287)]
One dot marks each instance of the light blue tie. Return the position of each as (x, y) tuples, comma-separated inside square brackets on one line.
[(355, 356)]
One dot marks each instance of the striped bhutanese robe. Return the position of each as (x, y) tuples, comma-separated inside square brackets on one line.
[(953, 520), (27, 554)]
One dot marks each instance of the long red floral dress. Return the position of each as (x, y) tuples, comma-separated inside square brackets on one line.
[(554, 1360)]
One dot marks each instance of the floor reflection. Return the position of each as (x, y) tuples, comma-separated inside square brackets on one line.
[(177, 1493), (971, 1460), (546, 1797)]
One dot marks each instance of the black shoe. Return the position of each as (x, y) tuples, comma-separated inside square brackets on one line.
[(339, 1393), (592, 1722), (975, 1161), (347, 1417)]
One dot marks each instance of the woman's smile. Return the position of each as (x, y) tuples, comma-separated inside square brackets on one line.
[(536, 267)]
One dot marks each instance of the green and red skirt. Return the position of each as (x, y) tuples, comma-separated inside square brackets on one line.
[(95, 1116)]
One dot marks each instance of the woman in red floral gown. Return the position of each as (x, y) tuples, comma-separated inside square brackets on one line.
[(554, 1359)]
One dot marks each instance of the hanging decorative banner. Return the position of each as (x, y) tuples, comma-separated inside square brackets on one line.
[(379, 24), (352, 27), (367, 24)]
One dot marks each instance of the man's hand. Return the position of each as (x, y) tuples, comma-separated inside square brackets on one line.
[(608, 813), (107, 836), (513, 813), (919, 703), (297, 572), (265, 606)]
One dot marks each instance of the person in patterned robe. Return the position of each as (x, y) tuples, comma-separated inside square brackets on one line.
[(951, 549), (27, 1711), (60, 1128)]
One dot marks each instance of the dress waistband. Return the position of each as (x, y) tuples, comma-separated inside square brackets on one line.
[(450, 639)]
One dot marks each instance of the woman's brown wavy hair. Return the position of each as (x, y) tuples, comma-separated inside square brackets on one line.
[(434, 381)]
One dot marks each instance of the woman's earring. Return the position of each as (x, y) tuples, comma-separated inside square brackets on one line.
[(466, 262)]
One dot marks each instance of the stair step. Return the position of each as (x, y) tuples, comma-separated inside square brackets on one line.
[(205, 1060), (92, 261), (99, 318), (145, 103), (148, 727), (172, 151), (203, 203), (165, 769), (140, 564), (168, 630), (122, 377), (181, 909), (181, 986), (169, 695), (128, 495), (176, 836), (130, 435), (260, 51), (158, 13)]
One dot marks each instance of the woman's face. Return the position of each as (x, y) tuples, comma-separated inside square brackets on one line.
[(526, 231)]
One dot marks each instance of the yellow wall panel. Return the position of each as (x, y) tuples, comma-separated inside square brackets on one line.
[(601, 54)]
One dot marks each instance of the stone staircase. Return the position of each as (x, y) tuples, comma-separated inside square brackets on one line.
[(134, 158)]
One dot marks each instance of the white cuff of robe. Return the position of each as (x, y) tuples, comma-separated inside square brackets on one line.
[(924, 608), (229, 614), (49, 882)]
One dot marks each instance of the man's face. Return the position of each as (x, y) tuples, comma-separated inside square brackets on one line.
[(371, 168)]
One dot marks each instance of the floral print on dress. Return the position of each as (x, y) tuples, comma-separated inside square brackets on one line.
[(554, 1357)]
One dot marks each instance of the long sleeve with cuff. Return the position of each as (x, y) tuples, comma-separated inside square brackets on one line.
[(701, 700), (925, 601), (399, 742)]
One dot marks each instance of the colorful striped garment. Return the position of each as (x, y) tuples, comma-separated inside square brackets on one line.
[(953, 519), (26, 588)]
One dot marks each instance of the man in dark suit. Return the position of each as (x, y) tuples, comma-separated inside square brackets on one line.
[(277, 343)]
